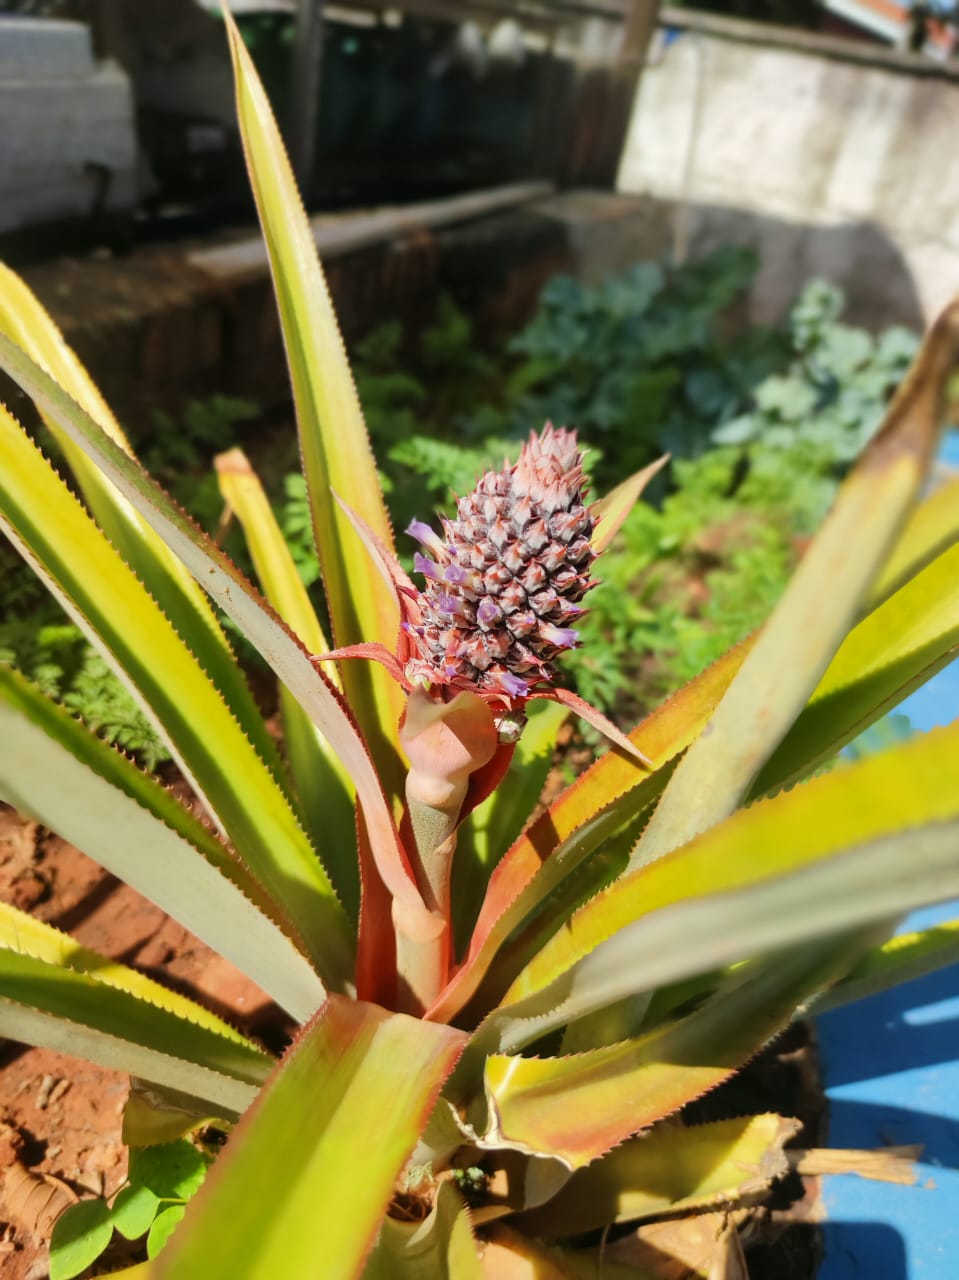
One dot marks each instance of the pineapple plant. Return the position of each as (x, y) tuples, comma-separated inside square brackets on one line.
[(472, 1108)]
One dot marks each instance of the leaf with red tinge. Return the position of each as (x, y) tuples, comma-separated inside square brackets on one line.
[(289, 1193), (673, 1167), (610, 511), (516, 887), (577, 1108), (586, 711)]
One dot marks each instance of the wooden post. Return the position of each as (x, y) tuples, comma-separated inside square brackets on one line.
[(637, 34), (604, 103)]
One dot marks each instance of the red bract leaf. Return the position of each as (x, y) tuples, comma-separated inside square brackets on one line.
[(665, 733)]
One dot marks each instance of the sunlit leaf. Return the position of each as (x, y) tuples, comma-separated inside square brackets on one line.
[(820, 604), (578, 1107), (336, 450), (133, 1211), (896, 648), (931, 529), (612, 509), (861, 845), (288, 1190), (901, 959), (325, 792), (73, 1011), (60, 541), (670, 1168), (27, 323), (119, 817), (281, 649), (80, 1235)]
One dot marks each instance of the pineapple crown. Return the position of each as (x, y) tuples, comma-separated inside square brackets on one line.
[(505, 582)]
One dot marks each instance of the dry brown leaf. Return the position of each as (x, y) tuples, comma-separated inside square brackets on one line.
[(689, 1248), (885, 1164)]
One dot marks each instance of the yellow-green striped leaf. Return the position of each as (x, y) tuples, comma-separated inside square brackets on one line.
[(61, 542), (337, 457), (119, 817), (821, 602), (673, 1167), (280, 648), (27, 323), (577, 1108), (325, 792), (59, 995), (291, 1192), (861, 845)]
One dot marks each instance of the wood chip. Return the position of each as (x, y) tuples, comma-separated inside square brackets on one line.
[(34, 1201)]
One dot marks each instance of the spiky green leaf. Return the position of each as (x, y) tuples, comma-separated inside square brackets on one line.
[(289, 1189), (118, 816), (27, 323), (57, 537), (337, 457), (820, 603)]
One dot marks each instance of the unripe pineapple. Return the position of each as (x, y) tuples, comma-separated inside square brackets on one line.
[(506, 583)]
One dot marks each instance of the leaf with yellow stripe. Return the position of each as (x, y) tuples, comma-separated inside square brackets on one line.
[(280, 648), (325, 792), (59, 995), (903, 958), (673, 1167), (25, 321), (820, 604), (133, 828), (576, 1108), (288, 1190), (931, 529), (854, 848), (895, 649), (61, 542), (333, 440)]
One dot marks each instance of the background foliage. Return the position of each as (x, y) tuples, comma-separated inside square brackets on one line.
[(761, 423)]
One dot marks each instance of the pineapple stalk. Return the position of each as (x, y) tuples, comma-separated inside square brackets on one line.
[(446, 742)]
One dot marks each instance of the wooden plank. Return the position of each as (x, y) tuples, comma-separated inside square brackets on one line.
[(338, 234), (535, 15)]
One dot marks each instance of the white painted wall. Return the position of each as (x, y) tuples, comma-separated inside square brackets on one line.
[(832, 168)]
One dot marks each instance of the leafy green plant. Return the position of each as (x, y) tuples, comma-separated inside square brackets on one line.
[(56, 656), (832, 396), (162, 1178), (493, 1045)]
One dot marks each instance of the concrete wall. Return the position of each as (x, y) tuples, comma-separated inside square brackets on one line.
[(833, 159), (67, 143)]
